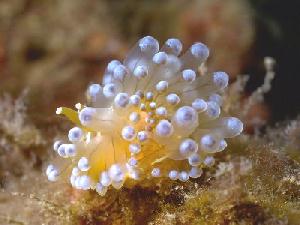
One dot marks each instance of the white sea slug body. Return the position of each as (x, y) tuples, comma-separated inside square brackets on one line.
[(152, 116)]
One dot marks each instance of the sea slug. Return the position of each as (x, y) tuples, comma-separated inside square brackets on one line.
[(153, 115)]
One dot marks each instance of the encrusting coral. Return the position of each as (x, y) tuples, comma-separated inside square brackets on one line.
[(154, 115)]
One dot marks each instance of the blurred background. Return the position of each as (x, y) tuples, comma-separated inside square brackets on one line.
[(55, 48)]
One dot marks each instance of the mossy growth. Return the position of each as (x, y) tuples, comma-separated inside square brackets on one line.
[(252, 183)]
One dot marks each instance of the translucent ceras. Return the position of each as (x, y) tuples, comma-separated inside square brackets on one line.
[(152, 116)]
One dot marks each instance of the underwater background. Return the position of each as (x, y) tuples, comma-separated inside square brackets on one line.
[(50, 51)]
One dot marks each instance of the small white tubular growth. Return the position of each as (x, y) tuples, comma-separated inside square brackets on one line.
[(134, 117), (149, 45), (58, 110), (83, 164), (233, 127), (149, 96), (62, 150), (173, 175), (120, 72), (155, 172), (173, 99), (110, 90), (83, 182), (115, 173), (164, 128), (50, 168), (72, 180), (70, 150), (56, 145), (101, 190), (140, 72), (128, 133), (107, 79), (189, 75), (194, 160), (134, 148), (161, 111), (121, 100), (220, 79), (186, 116), (132, 162), (86, 115), (222, 145), (75, 171), (75, 134), (52, 173), (187, 147), (134, 174), (142, 136), (209, 143), (195, 56), (199, 105), (209, 161), (140, 93), (112, 65), (200, 51), (105, 179), (183, 176), (78, 106), (216, 98), (94, 90), (143, 107), (160, 58), (195, 172), (162, 86), (213, 110), (173, 46), (152, 105), (134, 100)]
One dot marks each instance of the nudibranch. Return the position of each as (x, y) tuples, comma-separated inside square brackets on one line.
[(153, 115)]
